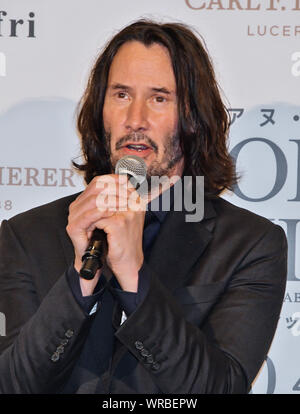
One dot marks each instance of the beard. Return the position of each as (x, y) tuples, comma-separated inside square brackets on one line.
[(172, 153)]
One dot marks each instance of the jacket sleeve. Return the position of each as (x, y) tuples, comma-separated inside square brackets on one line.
[(224, 352), (42, 337)]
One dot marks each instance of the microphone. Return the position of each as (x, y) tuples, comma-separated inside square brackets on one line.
[(95, 254)]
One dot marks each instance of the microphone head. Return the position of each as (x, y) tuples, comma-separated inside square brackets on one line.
[(133, 166)]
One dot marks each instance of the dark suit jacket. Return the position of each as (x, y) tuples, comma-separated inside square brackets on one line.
[(205, 326)]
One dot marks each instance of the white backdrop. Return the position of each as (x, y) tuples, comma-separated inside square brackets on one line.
[(46, 51)]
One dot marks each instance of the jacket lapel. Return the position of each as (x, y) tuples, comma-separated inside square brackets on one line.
[(67, 245), (179, 245)]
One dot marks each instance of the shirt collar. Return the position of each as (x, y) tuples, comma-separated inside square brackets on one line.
[(159, 213)]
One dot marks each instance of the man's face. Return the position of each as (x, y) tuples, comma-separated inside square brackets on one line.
[(140, 108)]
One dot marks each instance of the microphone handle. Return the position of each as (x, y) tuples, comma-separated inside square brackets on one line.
[(95, 254)]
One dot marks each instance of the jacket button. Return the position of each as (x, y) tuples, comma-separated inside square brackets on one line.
[(69, 333), (60, 349), (139, 345), (55, 357), (150, 359), (144, 352), (155, 366)]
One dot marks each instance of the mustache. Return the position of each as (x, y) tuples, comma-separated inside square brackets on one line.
[(137, 137)]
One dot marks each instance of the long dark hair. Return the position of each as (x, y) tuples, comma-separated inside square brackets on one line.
[(203, 119)]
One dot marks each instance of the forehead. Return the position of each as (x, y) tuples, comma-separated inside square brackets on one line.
[(138, 63)]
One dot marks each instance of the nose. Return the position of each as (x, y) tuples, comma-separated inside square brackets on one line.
[(137, 116)]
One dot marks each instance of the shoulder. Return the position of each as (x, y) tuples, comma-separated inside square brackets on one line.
[(238, 220), (54, 213), (233, 214)]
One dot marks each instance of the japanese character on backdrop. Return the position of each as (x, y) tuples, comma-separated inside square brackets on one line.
[(294, 322), (269, 118), (236, 113)]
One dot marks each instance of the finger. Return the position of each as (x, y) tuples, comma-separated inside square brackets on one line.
[(113, 203), (90, 189), (114, 184), (110, 224), (111, 183), (90, 200), (82, 205), (96, 184), (120, 220), (110, 195), (85, 222)]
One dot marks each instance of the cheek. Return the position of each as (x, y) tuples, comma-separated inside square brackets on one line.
[(168, 121), (106, 118), (168, 127), (113, 119), (175, 120)]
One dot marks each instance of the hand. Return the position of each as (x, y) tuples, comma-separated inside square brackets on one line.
[(99, 206)]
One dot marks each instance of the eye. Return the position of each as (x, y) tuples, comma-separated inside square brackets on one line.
[(122, 95), (160, 99)]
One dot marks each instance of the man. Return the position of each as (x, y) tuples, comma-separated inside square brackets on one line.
[(201, 300)]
